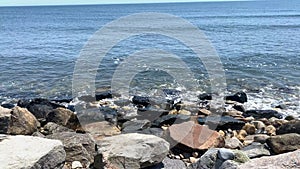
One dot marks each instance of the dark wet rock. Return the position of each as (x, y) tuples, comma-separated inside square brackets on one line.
[(240, 97), (239, 107), (193, 136), (131, 151), (100, 130), (51, 128), (261, 138), (225, 154), (122, 102), (141, 101), (289, 127), (40, 108), (256, 150), (135, 125), (257, 114), (281, 106), (8, 105), (288, 160), (168, 163), (284, 143), (170, 120), (150, 113), (30, 152), (64, 117), (221, 123), (78, 147), (21, 122), (100, 95), (290, 118), (205, 96), (66, 100), (110, 114)]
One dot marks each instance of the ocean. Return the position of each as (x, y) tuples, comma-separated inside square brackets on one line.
[(257, 42)]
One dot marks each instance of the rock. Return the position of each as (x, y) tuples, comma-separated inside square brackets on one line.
[(205, 96), (221, 123), (51, 128), (30, 152), (170, 120), (233, 143), (256, 150), (288, 160), (168, 163), (261, 138), (271, 130), (141, 101), (211, 158), (152, 131), (290, 118), (99, 130), (249, 128), (78, 147), (242, 134), (132, 150), (233, 113), (183, 112), (239, 107), (150, 113), (7, 106), (135, 125), (284, 143), (229, 164), (281, 106), (20, 122), (76, 165), (225, 154), (257, 114), (248, 140), (259, 125), (240, 97), (194, 136), (39, 107), (204, 112), (289, 127), (64, 117), (103, 94), (5, 118)]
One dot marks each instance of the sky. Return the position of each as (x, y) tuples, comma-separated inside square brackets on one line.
[(78, 2)]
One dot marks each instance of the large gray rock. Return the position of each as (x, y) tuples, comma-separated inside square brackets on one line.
[(79, 147), (132, 151), (168, 163), (256, 150), (289, 160), (284, 143), (17, 121), (27, 152)]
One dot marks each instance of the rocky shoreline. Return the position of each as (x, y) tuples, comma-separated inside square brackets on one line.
[(108, 131)]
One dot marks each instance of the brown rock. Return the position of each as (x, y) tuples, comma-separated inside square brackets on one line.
[(284, 143), (204, 112), (194, 136), (288, 160), (242, 134), (261, 138), (99, 130), (271, 130), (249, 128), (22, 122), (233, 143)]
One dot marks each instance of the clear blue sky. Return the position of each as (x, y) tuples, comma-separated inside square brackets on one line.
[(75, 2)]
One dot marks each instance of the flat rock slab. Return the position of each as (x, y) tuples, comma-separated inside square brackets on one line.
[(29, 152), (289, 160), (132, 150)]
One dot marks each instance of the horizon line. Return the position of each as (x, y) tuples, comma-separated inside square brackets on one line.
[(125, 3)]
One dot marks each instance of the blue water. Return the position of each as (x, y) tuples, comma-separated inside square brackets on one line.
[(258, 43)]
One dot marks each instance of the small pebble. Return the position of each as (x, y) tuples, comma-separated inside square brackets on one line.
[(76, 165)]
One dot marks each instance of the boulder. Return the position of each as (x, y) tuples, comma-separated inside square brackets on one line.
[(39, 107), (289, 127), (205, 96), (170, 120), (102, 129), (249, 128), (51, 128), (7, 106), (5, 118), (256, 150), (221, 122), (131, 150), (18, 152), (193, 136), (168, 163), (289, 160), (233, 143), (284, 143), (258, 114), (141, 101), (78, 147), (150, 113), (103, 94), (240, 97), (18, 121), (64, 117)]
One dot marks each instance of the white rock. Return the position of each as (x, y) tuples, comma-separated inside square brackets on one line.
[(29, 152), (76, 164)]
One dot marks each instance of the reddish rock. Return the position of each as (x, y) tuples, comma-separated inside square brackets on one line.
[(194, 136)]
